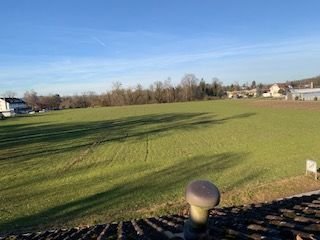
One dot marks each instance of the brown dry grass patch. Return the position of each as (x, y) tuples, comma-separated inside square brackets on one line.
[(283, 104), (247, 195), (270, 191)]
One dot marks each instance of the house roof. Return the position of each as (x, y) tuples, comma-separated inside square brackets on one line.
[(292, 218), (305, 90), (280, 85), (13, 100)]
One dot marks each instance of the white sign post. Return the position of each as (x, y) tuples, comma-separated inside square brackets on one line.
[(311, 166)]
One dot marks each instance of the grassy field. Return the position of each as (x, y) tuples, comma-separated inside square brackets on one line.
[(87, 166)]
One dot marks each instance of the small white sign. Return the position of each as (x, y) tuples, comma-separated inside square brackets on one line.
[(311, 166)]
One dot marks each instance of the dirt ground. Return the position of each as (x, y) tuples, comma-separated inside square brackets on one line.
[(281, 104)]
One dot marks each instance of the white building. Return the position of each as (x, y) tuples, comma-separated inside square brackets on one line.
[(274, 92), (308, 94), (11, 106), (242, 93), (266, 94)]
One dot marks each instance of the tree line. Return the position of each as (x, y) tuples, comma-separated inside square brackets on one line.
[(190, 88), (303, 82)]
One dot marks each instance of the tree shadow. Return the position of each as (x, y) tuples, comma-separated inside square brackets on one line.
[(152, 188), (18, 143), (24, 142)]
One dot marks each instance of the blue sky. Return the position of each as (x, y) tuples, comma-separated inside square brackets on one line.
[(74, 46)]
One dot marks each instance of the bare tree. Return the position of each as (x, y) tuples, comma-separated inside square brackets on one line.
[(116, 86), (189, 86), (169, 95), (67, 102), (9, 94), (158, 91), (32, 99), (118, 96), (51, 102), (140, 95)]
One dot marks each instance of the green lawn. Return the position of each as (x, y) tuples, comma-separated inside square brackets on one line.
[(95, 165)]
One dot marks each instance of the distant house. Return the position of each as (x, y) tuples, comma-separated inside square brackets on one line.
[(11, 106), (276, 91), (242, 93)]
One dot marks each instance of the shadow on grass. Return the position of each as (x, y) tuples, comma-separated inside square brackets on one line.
[(19, 144), (154, 187), (24, 142)]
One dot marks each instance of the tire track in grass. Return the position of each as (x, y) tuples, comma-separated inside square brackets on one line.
[(177, 144), (123, 137), (91, 149), (115, 155), (205, 140), (190, 143), (214, 145), (78, 158), (147, 149), (114, 147)]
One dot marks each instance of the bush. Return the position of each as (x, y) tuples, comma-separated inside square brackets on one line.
[(315, 99), (296, 98)]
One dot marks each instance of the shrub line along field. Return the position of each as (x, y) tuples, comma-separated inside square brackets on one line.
[(94, 165)]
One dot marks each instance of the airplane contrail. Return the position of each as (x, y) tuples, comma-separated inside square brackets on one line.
[(101, 43)]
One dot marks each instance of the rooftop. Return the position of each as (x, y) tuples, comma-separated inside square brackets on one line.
[(13, 100), (291, 218), (305, 90)]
